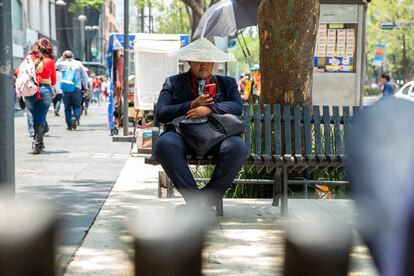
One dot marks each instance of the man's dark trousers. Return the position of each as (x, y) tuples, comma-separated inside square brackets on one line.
[(230, 155), (72, 102)]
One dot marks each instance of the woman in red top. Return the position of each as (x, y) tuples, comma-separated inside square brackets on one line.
[(38, 104)]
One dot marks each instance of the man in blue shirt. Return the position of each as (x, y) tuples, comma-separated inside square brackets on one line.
[(72, 99), (387, 86)]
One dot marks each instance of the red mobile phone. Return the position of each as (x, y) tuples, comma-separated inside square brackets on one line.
[(210, 89)]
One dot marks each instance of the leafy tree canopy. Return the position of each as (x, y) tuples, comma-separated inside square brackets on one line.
[(77, 5), (399, 41)]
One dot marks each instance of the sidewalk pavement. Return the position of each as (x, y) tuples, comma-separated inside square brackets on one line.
[(248, 240), (76, 172)]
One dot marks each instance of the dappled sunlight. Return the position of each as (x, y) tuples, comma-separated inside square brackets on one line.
[(248, 240), (102, 260), (252, 235)]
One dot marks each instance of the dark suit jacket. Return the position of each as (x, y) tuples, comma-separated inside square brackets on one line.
[(176, 96)]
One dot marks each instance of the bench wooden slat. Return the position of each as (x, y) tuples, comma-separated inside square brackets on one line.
[(347, 125), (257, 130), (267, 130), (337, 131), (327, 154), (277, 129), (287, 124), (317, 128), (355, 111), (297, 118), (247, 117), (307, 130), (327, 130)]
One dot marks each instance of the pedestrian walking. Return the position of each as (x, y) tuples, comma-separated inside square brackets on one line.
[(30, 122), (257, 82), (73, 77), (245, 87), (197, 94), (42, 57), (86, 97), (57, 100), (387, 86), (96, 88), (104, 89)]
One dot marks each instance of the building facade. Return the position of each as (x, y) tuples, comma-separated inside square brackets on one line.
[(32, 19), (110, 20)]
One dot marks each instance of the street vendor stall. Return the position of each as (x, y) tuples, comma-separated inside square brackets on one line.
[(151, 62), (154, 62), (115, 67)]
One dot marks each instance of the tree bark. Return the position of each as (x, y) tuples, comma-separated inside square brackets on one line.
[(198, 7), (288, 30), (197, 10)]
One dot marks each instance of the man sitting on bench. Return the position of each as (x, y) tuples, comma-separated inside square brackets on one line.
[(183, 94)]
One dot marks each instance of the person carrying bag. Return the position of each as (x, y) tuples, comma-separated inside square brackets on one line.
[(201, 110)]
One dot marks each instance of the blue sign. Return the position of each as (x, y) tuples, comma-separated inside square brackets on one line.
[(184, 40)]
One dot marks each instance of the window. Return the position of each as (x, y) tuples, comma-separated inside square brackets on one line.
[(17, 14), (406, 90)]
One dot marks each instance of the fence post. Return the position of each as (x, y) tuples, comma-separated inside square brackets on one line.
[(168, 242), (27, 239), (7, 177), (318, 247)]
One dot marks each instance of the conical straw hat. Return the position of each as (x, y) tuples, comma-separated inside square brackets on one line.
[(202, 50)]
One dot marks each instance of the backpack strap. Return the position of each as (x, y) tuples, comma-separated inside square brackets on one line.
[(37, 63)]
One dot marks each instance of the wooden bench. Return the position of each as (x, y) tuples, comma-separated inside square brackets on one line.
[(284, 141)]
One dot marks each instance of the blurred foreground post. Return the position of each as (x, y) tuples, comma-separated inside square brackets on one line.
[(320, 247), (7, 101), (381, 157), (27, 240), (169, 244)]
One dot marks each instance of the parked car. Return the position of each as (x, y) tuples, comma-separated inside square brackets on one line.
[(406, 91)]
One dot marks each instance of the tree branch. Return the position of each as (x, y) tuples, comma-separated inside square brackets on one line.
[(213, 2)]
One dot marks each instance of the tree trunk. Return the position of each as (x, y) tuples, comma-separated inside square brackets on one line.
[(197, 10), (405, 67), (197, 14), (198, 7), (288, 30)]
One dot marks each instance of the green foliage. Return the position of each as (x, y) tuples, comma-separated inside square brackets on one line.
[(400, 59), (77, 5), (368, 91), (253, 44), (172, 19), (240, 190)]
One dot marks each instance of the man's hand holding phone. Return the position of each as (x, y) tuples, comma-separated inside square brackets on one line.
[(207, 98), (202, 100)]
